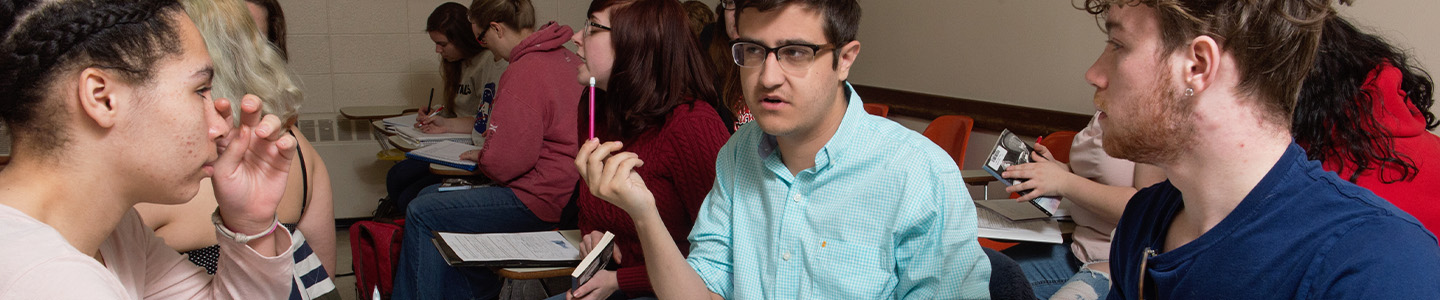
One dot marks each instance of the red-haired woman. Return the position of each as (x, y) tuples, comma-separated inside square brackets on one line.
[(657, 103)]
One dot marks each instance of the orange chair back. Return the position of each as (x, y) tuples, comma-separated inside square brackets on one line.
[(1059, 144), (877, 109), (952, 133)]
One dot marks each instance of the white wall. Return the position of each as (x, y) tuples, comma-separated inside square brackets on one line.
[(1035, 53)]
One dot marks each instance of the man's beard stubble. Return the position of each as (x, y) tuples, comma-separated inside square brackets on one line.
[(1162, 131)]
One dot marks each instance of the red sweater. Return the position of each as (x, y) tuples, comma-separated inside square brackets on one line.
[(1406, 127), (531, 143), (679, 170)]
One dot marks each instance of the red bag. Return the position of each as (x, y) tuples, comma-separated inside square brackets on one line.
[(375, 249)]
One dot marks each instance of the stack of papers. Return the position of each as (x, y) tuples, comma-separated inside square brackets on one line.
[(445, 153), (415, 136), (996, 226), (527, 249), (401, 121)]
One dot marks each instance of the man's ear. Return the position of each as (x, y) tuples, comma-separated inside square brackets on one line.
[(1201, 63), (100, 94), (847, 54)]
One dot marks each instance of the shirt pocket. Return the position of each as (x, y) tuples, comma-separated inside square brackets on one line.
[(856, 267)]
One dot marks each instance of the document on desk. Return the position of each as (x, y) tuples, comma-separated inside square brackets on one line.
[(507, 250), (416, 136), (446, 153), (401, 121), (996, 226)]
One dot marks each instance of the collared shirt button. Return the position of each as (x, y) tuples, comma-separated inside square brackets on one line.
[(786, 256), (795, 198)]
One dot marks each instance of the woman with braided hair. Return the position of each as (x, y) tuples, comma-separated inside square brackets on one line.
[(108, 105)]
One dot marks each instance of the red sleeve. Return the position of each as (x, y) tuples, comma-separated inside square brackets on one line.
[(634, 280), (514, 139), (696, 140)]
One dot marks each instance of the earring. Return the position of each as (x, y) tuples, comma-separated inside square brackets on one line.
[(1189, 92)]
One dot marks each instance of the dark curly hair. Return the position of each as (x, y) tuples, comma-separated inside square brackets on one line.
[(1334, 117), (44, 41)]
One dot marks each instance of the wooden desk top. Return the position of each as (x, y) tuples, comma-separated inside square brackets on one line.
[(374, 112), (977, 177), (401, 143), (444, 170)]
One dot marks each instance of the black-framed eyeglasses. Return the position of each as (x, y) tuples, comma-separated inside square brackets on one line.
[(727, 4), (481, 38), (591, 26), (792, 57)]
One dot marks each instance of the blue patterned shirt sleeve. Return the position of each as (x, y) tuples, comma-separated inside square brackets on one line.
[(939, 257)]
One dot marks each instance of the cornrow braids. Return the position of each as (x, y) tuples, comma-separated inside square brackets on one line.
[(60, 37)]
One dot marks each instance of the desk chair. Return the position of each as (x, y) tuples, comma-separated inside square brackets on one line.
[(375, 114), (534, 276), (952, 133), (1059, 144), (878, 109)]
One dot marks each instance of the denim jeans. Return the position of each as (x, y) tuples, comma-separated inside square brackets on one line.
[(406, 179), (1086, 285), (618, 295), (422, 272), (1047, 266)]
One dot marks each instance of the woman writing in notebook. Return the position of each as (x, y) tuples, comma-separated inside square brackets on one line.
[(530, 142), (108, 105), (471, 75), (655, 100)]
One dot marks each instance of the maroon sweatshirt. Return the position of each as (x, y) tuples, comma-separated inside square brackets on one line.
[(531, 141)]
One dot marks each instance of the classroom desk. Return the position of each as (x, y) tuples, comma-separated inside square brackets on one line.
[(374, 112), (976, 177), (444, 170), (512, 274), (401, 143)]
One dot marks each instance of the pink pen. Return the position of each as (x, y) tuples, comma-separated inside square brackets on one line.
[(435, 111), (592, 108)]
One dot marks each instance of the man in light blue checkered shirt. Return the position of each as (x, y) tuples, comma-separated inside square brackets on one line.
[(817, 200)]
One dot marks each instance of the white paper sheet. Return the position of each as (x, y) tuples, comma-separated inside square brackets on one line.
[(996, 226), (547, 245)]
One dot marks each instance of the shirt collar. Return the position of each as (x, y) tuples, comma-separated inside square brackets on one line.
[(838, 143)]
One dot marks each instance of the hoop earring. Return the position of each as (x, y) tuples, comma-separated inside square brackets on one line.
[(1189, 92)]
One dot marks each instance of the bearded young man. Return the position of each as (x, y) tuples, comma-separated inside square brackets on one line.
[(1204, 90)]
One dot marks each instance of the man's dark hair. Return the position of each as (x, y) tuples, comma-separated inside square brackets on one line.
[(842, 17), (44, 41), (1273, 41)]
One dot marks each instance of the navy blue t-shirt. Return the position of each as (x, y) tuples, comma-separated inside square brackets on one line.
[(1301, 233)]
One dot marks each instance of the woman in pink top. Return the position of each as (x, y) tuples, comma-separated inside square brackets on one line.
[(108, 106), (1096, 187)]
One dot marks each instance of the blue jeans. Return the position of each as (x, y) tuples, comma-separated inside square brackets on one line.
[(618, 295), (1047, 266), (1086, 285), (422, 272), (406, 179)]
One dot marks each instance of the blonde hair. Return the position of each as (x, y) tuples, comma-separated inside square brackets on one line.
[(245, 61)]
